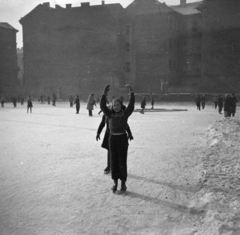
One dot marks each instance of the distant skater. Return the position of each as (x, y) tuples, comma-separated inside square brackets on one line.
[(198, 102), (54, 99), (105, 142), (203, 101), (118, 140), (90, 104), (220, 104), (22, 101), (14, 102), (41, 99), (152, 101), (77, 102), (71, 100), (215, 101), (143, 105), (48, 99), (29, 104), (233, 104), (2, 102), (227, 106)]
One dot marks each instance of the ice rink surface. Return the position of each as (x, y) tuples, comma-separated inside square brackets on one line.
[(52, 181)]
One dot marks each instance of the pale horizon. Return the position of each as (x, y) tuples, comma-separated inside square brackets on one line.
[(11, 11)]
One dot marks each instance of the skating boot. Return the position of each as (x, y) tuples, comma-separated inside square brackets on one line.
[(114, 187), (123, 187)]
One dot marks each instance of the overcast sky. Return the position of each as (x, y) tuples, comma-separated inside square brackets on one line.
[(11, 11)]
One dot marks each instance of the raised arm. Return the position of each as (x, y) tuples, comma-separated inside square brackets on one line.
[(103, 102), (128, 111)]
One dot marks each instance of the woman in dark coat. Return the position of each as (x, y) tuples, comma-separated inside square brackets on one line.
[(220, 104), (105, 143), (233, 104), (29, 103), (227, 106)]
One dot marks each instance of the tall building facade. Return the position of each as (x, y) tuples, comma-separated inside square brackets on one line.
[(72, 50), (76, 50), (8, 60), (220, 45)]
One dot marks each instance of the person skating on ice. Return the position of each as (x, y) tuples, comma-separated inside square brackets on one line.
[(152, 100), (90, 104), (105, 143), (71, 100), (118, 139), (2, 102), (77, 102), (29, 104), (143, 105)]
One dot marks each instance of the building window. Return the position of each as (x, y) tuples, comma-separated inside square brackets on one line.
[(127, 46), (170, 65), (128, 29), (127, 67)]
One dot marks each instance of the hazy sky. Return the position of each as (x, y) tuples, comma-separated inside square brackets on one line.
[(11, 11)]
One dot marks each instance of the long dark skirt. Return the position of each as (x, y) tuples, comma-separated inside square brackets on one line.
[(118, 154)]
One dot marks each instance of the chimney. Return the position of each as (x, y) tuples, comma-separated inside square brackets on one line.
[(68, 6), (85, 4), (103, 2), (183, 3), (46, 4)]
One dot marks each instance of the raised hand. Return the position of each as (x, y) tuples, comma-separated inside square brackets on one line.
[(129, 87), (106, 89)]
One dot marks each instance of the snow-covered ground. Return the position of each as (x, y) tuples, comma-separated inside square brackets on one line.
[(52, 181)]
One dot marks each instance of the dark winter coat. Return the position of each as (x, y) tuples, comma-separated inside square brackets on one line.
[(77, 102), (118, 120), (105, 143), (143, 104), (29, 104)]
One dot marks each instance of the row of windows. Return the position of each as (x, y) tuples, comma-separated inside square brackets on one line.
[(175, 65), (178, 65)]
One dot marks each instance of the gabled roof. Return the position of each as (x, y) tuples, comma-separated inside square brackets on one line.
[(7, 26), (188, 9)]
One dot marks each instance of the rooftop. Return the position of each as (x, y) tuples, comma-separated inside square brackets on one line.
[(7, 26), (188, 9)]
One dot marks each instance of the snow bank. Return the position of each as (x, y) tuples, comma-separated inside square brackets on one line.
[(220, 181)]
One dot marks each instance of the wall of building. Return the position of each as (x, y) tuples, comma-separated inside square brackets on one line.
[(8, 61), (71, 51), (221, 45), (150, 49)]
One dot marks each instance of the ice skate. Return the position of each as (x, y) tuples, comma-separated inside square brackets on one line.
[(114, 187), (123, 187)]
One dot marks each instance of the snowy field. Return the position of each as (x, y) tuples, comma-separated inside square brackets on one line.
[(52, 181)]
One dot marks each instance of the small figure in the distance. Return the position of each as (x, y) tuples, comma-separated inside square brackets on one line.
[(143, 105), (77, 102), (29, 104)]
